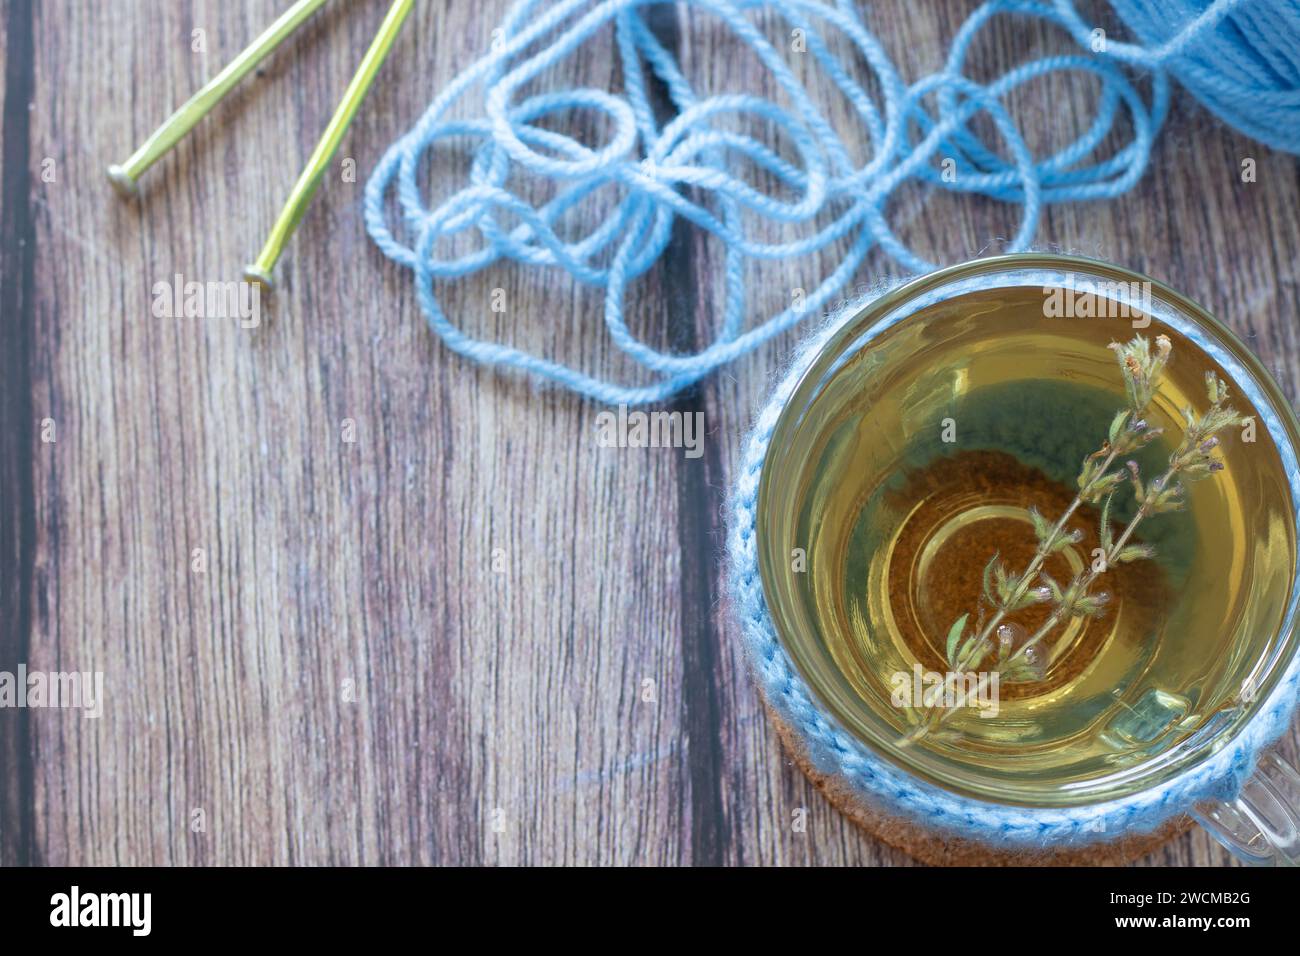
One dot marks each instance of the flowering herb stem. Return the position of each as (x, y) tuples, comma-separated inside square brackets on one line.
[(1006, 592)]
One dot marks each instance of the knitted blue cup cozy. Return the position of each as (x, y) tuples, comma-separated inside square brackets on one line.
[(836, 752)]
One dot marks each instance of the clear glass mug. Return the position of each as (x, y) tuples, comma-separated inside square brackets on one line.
[(1261, 825)]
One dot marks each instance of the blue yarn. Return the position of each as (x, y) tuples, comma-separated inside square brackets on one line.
[(1240, 58), (834, 750), (1245, 70)]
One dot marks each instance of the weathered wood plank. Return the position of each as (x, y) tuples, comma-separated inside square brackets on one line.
[(432, 643), (18, 428)]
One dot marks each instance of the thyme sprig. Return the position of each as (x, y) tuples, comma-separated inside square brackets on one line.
[(1006, 592)]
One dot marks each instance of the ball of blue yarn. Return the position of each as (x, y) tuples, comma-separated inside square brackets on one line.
[(1245, 69), (1241, 58)]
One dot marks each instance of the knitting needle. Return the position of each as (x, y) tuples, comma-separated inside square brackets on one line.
[(124, 176), (305, 188)]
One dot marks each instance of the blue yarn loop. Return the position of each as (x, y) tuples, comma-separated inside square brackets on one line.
[(1241, 58), (872, 777)]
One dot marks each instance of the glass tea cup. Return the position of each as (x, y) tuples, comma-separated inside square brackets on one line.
[(907, 456)]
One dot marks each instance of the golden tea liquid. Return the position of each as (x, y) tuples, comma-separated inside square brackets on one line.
[(918, 460)]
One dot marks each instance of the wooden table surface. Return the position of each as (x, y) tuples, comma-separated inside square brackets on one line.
[(430, 644)]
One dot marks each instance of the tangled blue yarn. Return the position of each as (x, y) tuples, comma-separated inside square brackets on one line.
[(1241, 58)]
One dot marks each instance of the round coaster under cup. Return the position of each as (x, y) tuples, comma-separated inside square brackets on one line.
[(939, 849)]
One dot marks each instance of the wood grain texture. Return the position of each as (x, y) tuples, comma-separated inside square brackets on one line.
[(350, 681)]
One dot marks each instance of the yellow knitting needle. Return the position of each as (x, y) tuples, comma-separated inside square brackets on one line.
[(124, 176), (305, 188)]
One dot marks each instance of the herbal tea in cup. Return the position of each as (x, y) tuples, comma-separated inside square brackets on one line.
[(1027, 529)]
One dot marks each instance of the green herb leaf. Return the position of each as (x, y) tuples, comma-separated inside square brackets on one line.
[(1105, 530), (965, 653), (1042, 527), (954, 635), (1019, 671), (1006, 585), (1214, 388), (1217, 419), (1089, 605), (1086, 473), (1135, 552), (1028, 597), (1117, 424), (988, 580)]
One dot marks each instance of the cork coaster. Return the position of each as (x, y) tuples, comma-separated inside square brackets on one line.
[(939, 849)]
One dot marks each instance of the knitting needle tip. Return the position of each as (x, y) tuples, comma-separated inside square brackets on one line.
[(255, 273), (201, 103), (309, 179), (122, 181)]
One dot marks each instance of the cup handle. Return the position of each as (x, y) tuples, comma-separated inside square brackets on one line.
[(1262, 826)]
